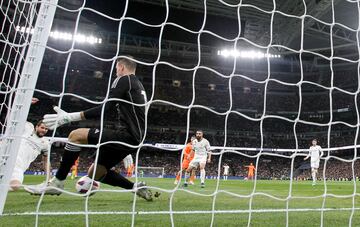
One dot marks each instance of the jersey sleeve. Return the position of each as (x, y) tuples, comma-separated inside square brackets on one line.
[(207, 146), (118, 90), (29, 128)]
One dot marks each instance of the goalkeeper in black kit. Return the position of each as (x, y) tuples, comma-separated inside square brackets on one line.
[(130, 117)]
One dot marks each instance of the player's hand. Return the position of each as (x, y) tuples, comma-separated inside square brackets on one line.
[(34, 100), (61, 117)]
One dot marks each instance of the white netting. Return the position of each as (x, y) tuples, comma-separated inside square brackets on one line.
[(269, 46)]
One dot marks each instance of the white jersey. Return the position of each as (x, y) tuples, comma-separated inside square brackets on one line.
[(201, 147), (314, 153), (226, 170), (31, 146)]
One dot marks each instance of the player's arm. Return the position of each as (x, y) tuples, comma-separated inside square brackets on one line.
[(321, 152), (307, 156), (119, 91), (191, 154), (46, 167), (61, 117), (209, 152)]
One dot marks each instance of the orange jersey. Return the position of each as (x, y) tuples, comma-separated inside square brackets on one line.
[(251, 169), (187, 153)]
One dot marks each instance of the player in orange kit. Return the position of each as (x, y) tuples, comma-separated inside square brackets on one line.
[(251, 169), (74, 169), (187, 157)]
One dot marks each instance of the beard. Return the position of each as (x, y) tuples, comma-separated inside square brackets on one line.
[(39, 134)]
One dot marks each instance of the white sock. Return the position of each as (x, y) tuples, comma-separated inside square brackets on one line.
[(202, 175), (186, 176), (313, 174)]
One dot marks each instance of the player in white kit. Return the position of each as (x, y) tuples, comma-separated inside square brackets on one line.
[(315, 153), (226, 171), (201, 148), (32, 144)]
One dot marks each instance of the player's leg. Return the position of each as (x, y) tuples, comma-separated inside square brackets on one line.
[(184, 166), (187, 173), (71, 153), (17, 178), (192, 176), (178, 176), (313, 175), (202, 173), (109, 156)]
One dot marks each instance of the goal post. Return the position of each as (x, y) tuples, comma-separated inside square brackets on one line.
[(33, 48), (146, 171)]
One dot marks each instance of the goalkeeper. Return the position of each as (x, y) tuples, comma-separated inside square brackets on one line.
[(130, 115)]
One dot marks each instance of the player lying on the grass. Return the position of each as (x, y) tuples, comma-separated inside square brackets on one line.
[(251, 170), (202, 154), (32, 145), (315, 152), (129, 130), (226, 171), (188, 155)]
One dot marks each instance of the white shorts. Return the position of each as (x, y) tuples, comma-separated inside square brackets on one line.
[(197, 160), (226, 173), (315, 165)]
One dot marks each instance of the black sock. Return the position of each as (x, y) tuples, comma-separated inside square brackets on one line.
[(116, 179), (67, 161)]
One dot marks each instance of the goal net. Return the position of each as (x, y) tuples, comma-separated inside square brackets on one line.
[(261, 79)]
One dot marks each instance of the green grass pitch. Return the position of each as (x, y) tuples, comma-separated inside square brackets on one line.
[(20, 202)]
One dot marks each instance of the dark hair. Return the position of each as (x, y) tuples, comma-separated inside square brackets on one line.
[(127, 62), (39, 123), (315, 140), (199, 130)]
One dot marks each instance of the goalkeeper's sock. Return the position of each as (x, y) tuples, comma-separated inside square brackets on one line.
[(202, 175), (116, 179), (178, 176), (69, 157)]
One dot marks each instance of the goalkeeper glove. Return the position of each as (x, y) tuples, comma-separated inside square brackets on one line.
[(61, 117)]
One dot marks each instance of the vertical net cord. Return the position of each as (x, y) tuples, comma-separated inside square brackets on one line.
[(229, 111), (331, 111), (19, 54), (355, 158), (263, 114), (299, 84)]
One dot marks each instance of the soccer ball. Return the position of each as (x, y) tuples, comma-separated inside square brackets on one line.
[(84, 183)]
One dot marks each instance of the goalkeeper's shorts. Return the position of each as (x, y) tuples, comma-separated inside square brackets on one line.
[(112, 153)]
